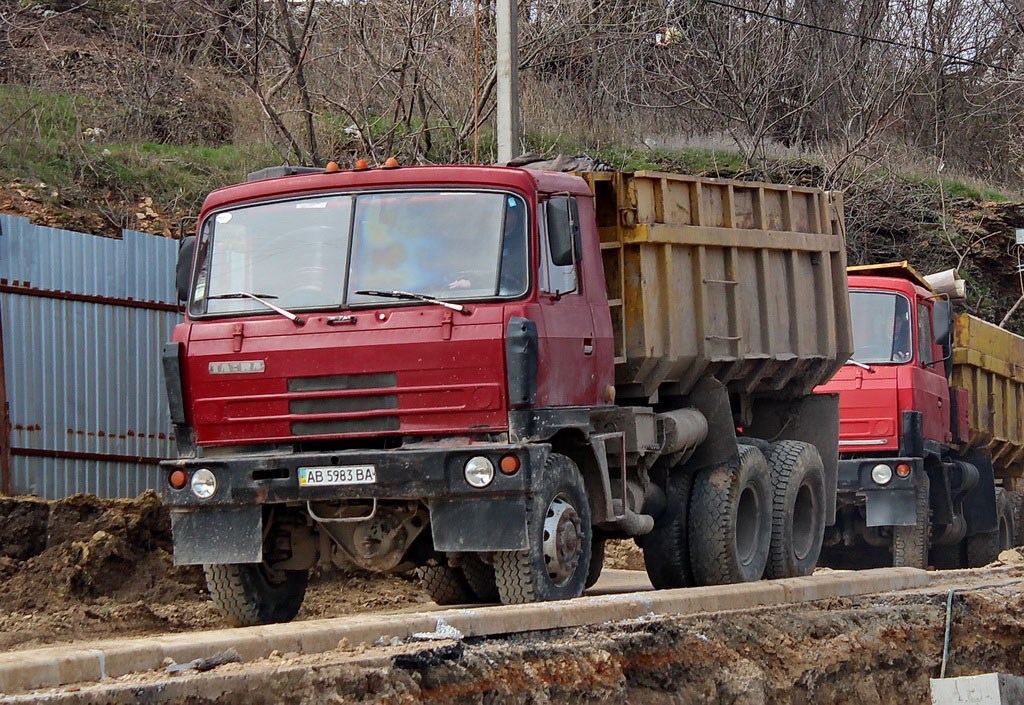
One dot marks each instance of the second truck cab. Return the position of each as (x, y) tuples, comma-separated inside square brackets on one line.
[(908, 481)]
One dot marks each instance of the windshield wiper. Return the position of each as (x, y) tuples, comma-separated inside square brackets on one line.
[(262, 298), (861, 365), (410, 296)]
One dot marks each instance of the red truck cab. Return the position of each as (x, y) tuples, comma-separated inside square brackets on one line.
[(901, 483), (396, 337)]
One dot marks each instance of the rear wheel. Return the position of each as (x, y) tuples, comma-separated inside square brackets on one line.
[(985, 548), (596, 561), (666, 548), (445, 585), (1017, 502), (480, 577), (556, 565), (910, 543), (798, 509), (730, 520), (251, 593)]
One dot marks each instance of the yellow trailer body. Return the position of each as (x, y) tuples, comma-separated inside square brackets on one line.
[(739, 280), (989, 362)]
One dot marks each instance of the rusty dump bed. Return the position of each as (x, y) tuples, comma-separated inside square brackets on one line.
[(989, 362), (740, 280)]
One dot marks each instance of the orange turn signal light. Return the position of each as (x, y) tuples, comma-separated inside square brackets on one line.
[(362, 165), (332, 167), (390, 163), (177, 479), (509, 464), (903, 470)]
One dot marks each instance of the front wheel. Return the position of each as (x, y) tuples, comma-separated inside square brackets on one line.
[(910, 543), (556, 565), (248, 594)]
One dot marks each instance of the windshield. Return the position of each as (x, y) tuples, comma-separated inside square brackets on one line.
[(444, 244), (881, 327)]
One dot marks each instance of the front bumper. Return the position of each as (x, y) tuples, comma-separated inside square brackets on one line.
[(415, 473), (892, 504), (228, 527)]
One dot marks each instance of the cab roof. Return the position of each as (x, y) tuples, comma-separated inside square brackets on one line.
[(522, 180)]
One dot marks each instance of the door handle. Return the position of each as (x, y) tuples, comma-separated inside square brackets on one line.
[(588, 346)]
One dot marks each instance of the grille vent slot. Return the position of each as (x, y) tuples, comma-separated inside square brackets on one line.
[(339, 426), (327, 383), (340, 405)]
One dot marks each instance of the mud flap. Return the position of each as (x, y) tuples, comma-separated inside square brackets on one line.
[(485, 524), (217, 535), (890, 507)]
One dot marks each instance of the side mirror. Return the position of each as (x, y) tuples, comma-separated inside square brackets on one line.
[(183, 273), (942, 320), (563, 231), (942, 323)]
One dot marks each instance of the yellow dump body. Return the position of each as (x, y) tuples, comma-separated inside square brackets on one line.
[(989, 362), (740, 280)]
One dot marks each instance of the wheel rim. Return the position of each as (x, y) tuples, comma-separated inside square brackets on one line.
[(563, 541), (747, 519), (804, 513), (1004, 535)]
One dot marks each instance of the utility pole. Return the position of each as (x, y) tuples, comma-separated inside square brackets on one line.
[(507, 68)]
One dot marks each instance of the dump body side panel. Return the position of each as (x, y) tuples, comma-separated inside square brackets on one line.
[(987, 363), (742, 281)]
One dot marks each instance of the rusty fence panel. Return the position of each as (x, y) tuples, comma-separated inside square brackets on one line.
[(82, 320)]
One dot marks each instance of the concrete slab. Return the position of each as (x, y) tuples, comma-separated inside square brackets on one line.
[(58, 665), (984, 689)]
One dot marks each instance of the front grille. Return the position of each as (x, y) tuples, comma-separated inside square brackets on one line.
[(340, 426), (344, 405), (327, 383), (340, 405)]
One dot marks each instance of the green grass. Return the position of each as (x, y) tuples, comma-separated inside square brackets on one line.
[(958, 189)]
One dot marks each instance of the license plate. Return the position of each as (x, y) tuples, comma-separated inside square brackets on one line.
[(337, 475)]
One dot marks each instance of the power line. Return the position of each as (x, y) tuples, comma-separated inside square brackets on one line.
[(855, 35)]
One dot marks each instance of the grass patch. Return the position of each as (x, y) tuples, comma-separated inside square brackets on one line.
[(958, 189)]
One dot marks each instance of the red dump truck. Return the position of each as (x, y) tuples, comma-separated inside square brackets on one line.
[(931, 439), (483, 373)]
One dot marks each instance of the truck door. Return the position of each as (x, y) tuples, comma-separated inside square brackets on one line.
[(931, 389), (567, 374)]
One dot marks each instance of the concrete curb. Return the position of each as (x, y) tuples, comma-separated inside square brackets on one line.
[(59, 665)]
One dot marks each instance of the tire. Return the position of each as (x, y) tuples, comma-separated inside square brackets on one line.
[(596, 562), (445, 585), (730, 520), (480, 578), (246, 594), (1017, 502), (910, 543), (798, 509), (556, 565), (666, 549), (985, 548)]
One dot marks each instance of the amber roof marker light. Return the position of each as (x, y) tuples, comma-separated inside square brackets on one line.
[(332, 167), (361, 165), (390, 163)]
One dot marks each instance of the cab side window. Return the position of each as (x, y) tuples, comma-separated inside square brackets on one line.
[(559, 246)]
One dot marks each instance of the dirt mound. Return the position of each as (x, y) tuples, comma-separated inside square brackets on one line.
[(83, 548), (623, 554), (83, 567)]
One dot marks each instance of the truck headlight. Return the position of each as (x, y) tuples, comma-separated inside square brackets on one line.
[(881, 474), (204, 483), (479, 471)]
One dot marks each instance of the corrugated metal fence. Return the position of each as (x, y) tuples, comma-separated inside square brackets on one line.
[(82, 320)]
